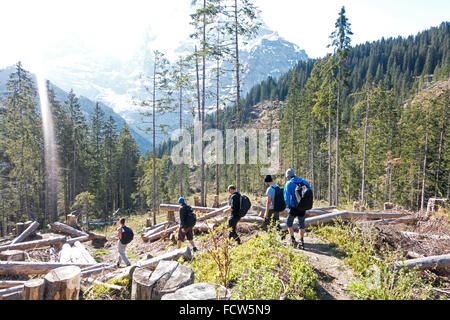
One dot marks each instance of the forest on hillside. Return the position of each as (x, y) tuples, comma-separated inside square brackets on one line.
[(367, 123)]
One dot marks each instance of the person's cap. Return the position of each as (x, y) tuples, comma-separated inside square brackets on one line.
[(181, 200), (268, 178), (290, 173)]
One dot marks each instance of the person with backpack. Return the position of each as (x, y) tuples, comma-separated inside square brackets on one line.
[(187, 223), (294, 190), (240, 204), (125, 235), (275, 203)]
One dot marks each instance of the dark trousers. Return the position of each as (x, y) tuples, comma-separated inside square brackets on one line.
[(274, 217), (232, 223)]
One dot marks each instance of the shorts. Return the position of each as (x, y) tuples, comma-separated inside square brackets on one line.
[(189, 234), (301, 216)]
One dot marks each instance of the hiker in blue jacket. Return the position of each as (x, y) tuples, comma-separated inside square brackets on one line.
[(289, 195)]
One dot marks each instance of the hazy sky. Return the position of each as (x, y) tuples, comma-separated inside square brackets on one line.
[(29, 29)]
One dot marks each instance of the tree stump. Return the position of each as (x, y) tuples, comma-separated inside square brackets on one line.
[(148, 223), (216, 201), (388, 206), (12, 255), (197, 201), (171, 217), (71, 220), (63, 283), (20, 227), (33, 290), (141, 287)]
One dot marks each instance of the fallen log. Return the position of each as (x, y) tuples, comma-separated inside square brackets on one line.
[(33, 289), (149, 233), (108, 285), (64, 228), (251, 219), (28, 268), (96, 236), (159, 234), (10, 283), (98, 270), (28, 231), (34, 244), (71, 241), (311, 213), (12, 255), (156, 226), (168, 231), (171, 255), (4, 292), (214, 213), (174, 207), (390, 221), (63, 283), (424, 235), (431, 262)]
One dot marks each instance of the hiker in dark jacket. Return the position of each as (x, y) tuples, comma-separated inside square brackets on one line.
[(120, 246), (289, 195), (185, 231), (271, 216), (235, 204)]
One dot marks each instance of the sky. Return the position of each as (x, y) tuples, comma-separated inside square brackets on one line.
[(38, 30)]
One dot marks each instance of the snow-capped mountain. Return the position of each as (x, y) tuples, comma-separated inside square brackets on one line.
[(116, 83)]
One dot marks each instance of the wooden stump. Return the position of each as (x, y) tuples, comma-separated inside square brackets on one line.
[(216, 201), (388, 206), (148, 223), (12, 255), (197, 201), (20, 227), (171, 217), (33, 289), (71, 220), (141, 288), (63, 283)]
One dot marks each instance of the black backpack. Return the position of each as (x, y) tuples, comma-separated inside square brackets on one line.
[(191, 218), (303, 197), (278, 200), (244, 205), (127, 235)]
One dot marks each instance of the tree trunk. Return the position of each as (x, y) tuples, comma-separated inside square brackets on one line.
[(336, 173), (432, 262), (64, 228), (28, 268), (34, 244), (422, 201), (154, 146), (238, 94), (365, 148), (33, 289), (71, 220), (330, 196), (63, 283)]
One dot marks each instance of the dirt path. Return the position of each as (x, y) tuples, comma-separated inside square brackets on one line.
[(333, 275)]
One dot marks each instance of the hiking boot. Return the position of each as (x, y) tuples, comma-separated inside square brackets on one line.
[(195, 249), (294, 242), (301, 245)]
